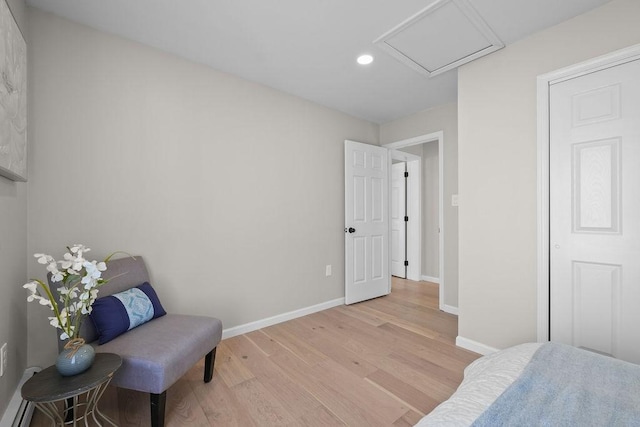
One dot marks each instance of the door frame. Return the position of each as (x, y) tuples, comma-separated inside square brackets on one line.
[(422, 139), (414, 210), (544, 82)]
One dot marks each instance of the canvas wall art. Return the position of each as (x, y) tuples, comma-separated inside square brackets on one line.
[(13, 98)]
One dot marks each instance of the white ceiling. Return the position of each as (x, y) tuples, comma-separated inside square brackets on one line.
[(308, 47)]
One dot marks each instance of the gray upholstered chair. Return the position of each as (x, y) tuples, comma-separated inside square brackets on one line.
[(158, 353)]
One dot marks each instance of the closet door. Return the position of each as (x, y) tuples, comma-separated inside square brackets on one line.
[(595, 211)]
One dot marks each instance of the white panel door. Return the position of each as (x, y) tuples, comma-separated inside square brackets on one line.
[(398, 224), (595, 211), (366, 222)]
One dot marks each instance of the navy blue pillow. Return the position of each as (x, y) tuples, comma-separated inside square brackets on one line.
[(115, 314)]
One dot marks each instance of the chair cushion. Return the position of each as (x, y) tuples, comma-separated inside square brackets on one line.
[(115, 314), (155, 355)]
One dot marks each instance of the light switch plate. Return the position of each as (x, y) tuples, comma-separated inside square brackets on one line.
[(327, 270)]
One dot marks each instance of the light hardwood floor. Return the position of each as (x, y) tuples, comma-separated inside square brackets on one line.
[(382, 362)]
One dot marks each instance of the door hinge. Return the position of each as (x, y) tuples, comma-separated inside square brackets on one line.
[(406, 263), (406, 219), (406, 174)]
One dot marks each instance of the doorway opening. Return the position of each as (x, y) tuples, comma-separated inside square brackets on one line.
[(425, 236)]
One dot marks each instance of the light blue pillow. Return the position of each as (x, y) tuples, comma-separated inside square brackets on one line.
[(137, 305)]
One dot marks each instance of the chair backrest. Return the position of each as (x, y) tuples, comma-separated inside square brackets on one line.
[(123, 274)]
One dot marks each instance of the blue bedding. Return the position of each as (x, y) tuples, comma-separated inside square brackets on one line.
[(565, 386)]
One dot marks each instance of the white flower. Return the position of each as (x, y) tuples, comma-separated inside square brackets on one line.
[(54, 322), (31, 286), (73, 264), (78, 306), (41, 300), (33, 297), (71, 293), (86, 309), (68, 261), (43, 258), (94, 271), (57, 276), (52, 267), (79, 250), (79, 247)]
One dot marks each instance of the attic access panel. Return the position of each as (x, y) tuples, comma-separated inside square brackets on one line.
[(441, 37)]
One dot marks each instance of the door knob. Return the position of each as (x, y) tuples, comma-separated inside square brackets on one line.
[(350, 230)]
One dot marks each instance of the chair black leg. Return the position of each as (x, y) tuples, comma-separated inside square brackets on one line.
[(209, 361), (157, 408)]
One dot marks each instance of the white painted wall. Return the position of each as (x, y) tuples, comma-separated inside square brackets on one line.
[(416, 150), (13, 264), (497, 168), (232, 191), (443, 118)]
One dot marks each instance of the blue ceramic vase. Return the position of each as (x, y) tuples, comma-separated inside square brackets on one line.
[(75, 361)]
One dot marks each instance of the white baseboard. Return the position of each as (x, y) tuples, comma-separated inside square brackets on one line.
[(415, 278), (450, 309), (17, 407), (430, 279), (269, 321), (474, 346)]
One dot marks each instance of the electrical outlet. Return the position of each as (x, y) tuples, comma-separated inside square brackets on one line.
[(327, 270), (3, 359)]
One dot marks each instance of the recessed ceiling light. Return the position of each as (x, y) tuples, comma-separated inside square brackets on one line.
[(365, 59)]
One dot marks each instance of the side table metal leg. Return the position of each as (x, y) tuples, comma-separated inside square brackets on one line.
[(50, 410), (92, 405)]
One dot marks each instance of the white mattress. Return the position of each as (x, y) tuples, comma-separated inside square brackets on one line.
[(484, 381)]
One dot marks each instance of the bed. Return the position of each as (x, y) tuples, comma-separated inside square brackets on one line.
[(546, 384)]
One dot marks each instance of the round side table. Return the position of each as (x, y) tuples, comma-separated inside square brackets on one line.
[(81, 392)]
